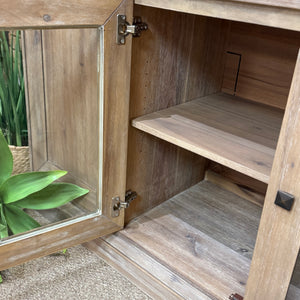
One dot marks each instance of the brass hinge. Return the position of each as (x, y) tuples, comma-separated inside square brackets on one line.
[(117, 204), (124, 28)]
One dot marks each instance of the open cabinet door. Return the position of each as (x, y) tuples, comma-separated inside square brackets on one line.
[(77, 86)]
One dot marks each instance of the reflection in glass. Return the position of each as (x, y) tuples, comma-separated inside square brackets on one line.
[(62, 100)]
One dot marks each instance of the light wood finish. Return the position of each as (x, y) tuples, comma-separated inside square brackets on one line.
[(243, 11), (231, 72), (278, 240), (198, 243), (282, 3), (239, 179), (35, 97), (243, 192), (169, 64), (81, 73), (117, 62), (72, 101), (56, 13), (268, 57), (238, 134), (15, 253), (129, 267)]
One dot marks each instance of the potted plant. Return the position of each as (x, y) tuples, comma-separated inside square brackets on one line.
[(33, 190), (13, 120)]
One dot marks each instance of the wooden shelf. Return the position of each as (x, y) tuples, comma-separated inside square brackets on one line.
[(197, 245), (234, 132)]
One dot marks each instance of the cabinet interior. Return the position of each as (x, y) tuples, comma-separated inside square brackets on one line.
[(207, 102)]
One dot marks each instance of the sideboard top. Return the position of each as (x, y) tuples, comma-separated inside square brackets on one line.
[(281, 13)]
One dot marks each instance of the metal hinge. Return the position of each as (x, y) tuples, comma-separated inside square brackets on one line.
[(236, 297), (117, 204), (124, 28)]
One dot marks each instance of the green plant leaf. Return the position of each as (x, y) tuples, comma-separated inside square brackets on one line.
[(3, 223), (20, 186), (6, 160), (3, 231), (52, 196), (18, 221)]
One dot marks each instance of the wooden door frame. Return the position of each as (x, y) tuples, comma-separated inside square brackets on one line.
[(278, 240), (114, 84)]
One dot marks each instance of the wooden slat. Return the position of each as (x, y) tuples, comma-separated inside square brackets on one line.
[(239, 179), (116, 91), (56, 13), (169, 66), (268, 57), (71, 93), (228, 130), (281, 17), (241, 191), (278, 240), (282, 3), (18, 252), (129, 266), (198, 243), (35, 98)]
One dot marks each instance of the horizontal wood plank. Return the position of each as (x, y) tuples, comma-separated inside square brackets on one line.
[(284, 16), (265, 71), (197, 244), (282, 3), (18, 252), (238, 134), (56, 13), (129, 266)]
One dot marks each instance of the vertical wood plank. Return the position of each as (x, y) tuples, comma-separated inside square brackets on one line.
[(278, 239), (117, 63), (268, 58), (72, 109), (35, 101), (174, 61)]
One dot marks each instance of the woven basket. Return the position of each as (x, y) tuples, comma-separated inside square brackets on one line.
[(21, 159)]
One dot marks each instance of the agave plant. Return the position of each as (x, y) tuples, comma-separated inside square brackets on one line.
[(12, 94), (34, 190)]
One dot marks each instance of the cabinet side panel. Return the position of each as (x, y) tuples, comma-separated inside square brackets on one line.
[(166, 60), (278, 239)]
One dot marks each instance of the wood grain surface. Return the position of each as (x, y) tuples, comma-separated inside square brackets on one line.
[(284, 16), (35, 96), (74, 92), (198, 243), (278, 240), (42, 244), (222, 128), (56, 13), (268, 57), (174, 61)]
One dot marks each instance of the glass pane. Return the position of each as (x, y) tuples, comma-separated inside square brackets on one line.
[(62, 129)]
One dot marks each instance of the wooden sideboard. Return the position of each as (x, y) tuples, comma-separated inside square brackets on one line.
[(199, 116)]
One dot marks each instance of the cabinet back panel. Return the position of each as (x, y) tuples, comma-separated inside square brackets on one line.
[(268, 57), (179, 58)]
